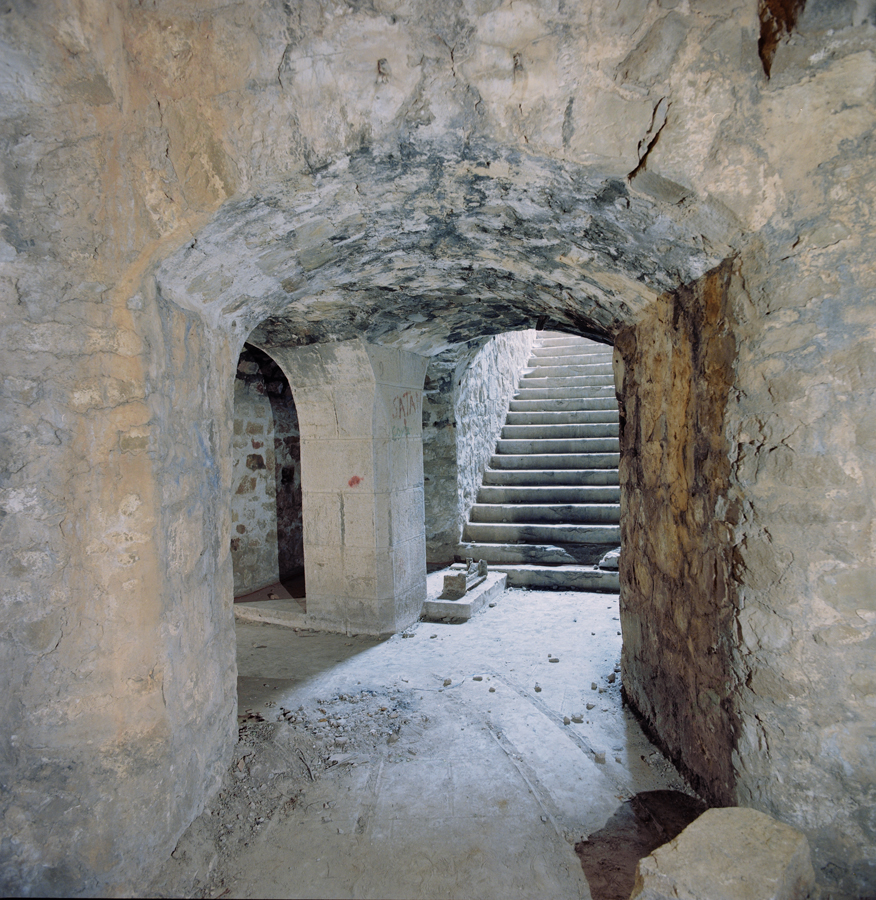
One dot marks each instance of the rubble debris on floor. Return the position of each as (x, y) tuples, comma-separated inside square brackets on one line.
[(444, 761)]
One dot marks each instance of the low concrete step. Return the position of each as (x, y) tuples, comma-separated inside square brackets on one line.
[(583, 395), (554, 432), (568, 371), (584, 382), (498, 533), (560, 445), (544, 554), (565, 478), (555, 461), (549, 494), (547, 513), (567, 578), (532, 554), (566, 404)]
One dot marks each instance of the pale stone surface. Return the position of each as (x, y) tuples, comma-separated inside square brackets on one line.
[(360, 413), (729, 854), (179, 174), (438, 608)]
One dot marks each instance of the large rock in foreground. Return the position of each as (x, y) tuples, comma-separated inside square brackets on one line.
[(729, 854)]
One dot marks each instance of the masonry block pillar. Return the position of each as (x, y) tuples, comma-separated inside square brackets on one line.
[(360, 418)]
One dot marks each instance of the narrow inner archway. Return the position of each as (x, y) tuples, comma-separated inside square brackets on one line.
[(267, 546)]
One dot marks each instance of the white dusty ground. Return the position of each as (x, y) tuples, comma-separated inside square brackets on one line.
[(433, 764)]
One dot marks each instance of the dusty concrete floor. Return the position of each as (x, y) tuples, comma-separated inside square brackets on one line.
[(437, 763)]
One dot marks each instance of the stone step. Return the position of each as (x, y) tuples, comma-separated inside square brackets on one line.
[(533, 554), (560, 445), (583, 395), (549, 494), (555, 461), (585, 382), (566, 578), (570, 417), (572, 350), (511, 533), (565, 340), (564, 478), (546, 513), (552, 432), (570, 359), (555, 371), (583, 344), (565, 404)]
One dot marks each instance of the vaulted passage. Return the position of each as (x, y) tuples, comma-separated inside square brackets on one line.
[(381, 201)]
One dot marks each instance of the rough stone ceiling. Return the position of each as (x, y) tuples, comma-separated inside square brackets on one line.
[(433, 246)]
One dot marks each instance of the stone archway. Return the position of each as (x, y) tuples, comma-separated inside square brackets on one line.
[(352, 284)]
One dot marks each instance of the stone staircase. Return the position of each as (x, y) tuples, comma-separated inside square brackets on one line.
[(549, 506)]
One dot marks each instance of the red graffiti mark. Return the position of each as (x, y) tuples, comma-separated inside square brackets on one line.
[(354, 481), (404, 406)]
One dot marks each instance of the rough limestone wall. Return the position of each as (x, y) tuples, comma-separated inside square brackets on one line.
[(674, 371), (267, 536), (484, 389), (803, 484), (126, 127), (440, 472), (464, 409)]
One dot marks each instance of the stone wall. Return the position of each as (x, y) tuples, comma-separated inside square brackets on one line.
[(176, 173), (464, 409), (267, 536), (678, 594)]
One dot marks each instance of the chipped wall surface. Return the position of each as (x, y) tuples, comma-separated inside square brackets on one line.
[(175, 175), (678, 597), (266, 530), (464, 406)]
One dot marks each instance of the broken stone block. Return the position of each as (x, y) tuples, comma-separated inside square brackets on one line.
[(456, 584), (729, 854)]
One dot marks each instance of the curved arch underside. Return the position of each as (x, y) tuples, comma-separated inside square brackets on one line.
[(430, 248)]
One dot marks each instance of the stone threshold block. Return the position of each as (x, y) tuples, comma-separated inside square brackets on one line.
[(729, 854), (437, 610)]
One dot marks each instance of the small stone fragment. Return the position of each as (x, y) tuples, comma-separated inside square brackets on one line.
[(612, 678), (590, 705), (578, 718), (431, 636), (538, 689), (492, 690), (448, 682), (553, 659), (599, 756), (491, 605), (567, 720), (477, 678), (593, 685)]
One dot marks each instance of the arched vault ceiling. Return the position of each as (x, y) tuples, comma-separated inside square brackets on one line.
[(425, 250)]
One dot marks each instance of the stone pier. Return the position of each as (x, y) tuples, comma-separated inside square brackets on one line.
[(360, 416)]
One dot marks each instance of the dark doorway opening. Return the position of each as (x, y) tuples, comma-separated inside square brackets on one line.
[(267, 545)]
